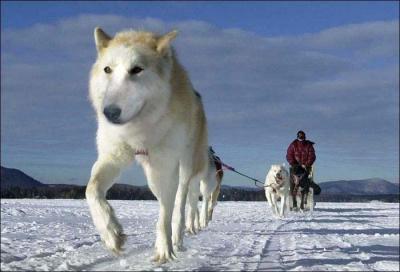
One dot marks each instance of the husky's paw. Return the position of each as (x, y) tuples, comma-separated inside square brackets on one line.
[(203, 223), (179, 248), (163, 255), (177, 242), (197, 225), (114, 240), (276, 216), (191, 229)]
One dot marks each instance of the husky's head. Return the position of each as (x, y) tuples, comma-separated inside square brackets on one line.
[(300, 176), (131, 77), (279, 173)]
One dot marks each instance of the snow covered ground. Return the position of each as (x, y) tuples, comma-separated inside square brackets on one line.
[(59, 235)]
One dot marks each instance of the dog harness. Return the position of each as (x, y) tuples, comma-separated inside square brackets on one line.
[(278, 182)]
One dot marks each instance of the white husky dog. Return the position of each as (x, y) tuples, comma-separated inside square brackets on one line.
[(146, 110), (277, 184)]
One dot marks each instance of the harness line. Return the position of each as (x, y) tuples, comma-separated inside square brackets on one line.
[(237, 172)]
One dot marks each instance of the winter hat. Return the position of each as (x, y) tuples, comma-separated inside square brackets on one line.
[(301, 135)]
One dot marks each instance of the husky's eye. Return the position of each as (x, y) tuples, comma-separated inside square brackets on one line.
[(107, 69), (135, 70)]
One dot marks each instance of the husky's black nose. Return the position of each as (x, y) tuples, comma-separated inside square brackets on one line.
[(112, 113)]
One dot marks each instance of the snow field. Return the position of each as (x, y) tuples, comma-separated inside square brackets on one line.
[(59, 235)]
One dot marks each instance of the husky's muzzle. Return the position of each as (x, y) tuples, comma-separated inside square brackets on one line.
[(298, 178), (278, 179)]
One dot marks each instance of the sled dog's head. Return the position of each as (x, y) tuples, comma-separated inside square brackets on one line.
[(279, 173), (300, 177), (131, 76)]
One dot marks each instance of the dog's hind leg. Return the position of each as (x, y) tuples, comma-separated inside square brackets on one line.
[(192, 200), (311, 200), (204, 211), (178, 221), (197, 220), (102, 178), (213, 200), (207, 187)]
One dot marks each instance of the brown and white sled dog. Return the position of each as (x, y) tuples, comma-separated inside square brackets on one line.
[(148, 111), (277, 184)]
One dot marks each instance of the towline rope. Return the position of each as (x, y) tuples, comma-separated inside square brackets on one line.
[(237, 172)]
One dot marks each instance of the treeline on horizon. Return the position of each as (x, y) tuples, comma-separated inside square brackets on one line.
[(127, 192)]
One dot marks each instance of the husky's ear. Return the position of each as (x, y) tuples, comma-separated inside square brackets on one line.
[(164, 41), (101, 38)]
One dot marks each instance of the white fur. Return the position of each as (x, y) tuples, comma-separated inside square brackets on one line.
[(192, 222), (273, 190), (148, 124), (205, 188)]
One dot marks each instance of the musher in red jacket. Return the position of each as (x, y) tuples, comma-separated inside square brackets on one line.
[(301, 152)]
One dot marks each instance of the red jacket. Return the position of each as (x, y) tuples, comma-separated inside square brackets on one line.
[(301, 152)]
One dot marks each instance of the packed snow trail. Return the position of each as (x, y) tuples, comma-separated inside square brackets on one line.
[(59, 235)]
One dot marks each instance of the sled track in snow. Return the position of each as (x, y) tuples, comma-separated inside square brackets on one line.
[(270, 257)]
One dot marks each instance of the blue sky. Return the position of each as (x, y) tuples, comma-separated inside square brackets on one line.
[(264, 69)]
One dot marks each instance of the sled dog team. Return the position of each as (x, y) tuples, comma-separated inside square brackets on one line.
[(277, 186), (148, 111), (297, 185)]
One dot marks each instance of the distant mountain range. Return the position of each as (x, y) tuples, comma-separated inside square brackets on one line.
[(15, 184), (360, 187)]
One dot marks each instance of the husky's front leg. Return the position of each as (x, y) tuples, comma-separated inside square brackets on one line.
[(271, 202), (163, 184), (164, 249), (283, 205), (303, 197), (102, 178)]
